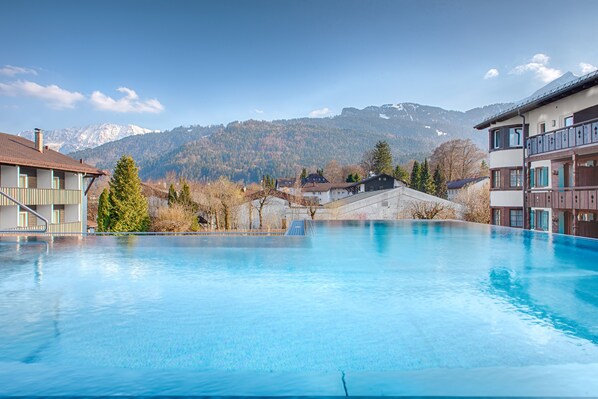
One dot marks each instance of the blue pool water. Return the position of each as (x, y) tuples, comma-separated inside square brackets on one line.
[(359, 308)]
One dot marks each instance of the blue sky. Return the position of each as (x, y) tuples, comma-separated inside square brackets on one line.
[(161, 64)]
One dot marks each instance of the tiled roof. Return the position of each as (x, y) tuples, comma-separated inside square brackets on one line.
[(457, 184), (15, 150), (286, 182)]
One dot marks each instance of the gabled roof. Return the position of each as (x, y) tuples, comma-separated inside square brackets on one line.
[(15, 150), (458, 184), (286, 182), (530, 103), (375, 177)]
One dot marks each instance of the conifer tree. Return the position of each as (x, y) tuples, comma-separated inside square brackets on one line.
[(439, 183), (400, 174), (414, 181), (382, 158), (172, 195), (303, 174), (128, 206), (184, 198), (426, 180), (104, 211)]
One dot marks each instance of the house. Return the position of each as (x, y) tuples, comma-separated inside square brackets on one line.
[(273, 205), (377, 182), (326, 192), (457, 186), (544, 160), (314, 178), (37, 183)]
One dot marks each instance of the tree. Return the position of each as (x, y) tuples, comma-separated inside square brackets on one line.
[(476, 201), (320, 172), (184, 198), (174, 218), (426, 180), (382, 158), (334, 172), (104, 211), (458, 159), (367, 162), (352, 178), (268, 182), (439, 183), (430, 210), (401, 174), (172, 195), (303, 174), (415, 180), (484, 169), (128, 206)]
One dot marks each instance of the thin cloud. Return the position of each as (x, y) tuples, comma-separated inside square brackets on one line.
[(539, 67), (130, 102), (11, 70), (259, 111), (492, 73), (54, 96), (318, 113), (587, 68)]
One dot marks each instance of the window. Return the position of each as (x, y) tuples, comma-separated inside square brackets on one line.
[(532, 220), (496, 139), (543, 219), (23, 219), (515, 137), (515, 178), (542, 176), (542, 127), (532, 178), (23, 181), (568, 121), (516, 217), (56, 182), (496, 217), (496, 179)]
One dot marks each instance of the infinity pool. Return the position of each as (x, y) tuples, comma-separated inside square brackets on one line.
[(359, 308)]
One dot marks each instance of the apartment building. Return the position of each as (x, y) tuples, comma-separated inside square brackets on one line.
[(544, 160), (37, 183)]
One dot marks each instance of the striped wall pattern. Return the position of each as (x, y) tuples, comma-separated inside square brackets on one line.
[(41, 196)]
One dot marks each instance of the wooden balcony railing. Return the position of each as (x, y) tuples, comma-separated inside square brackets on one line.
[(560, 139), (41, 196), (564, 198)]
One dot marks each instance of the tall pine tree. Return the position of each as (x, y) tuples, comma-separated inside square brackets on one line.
[(439, 183), (382, 158), (172, 195), (401, 174), (414, 181), (128, 206), (426, 180), (104, 211)]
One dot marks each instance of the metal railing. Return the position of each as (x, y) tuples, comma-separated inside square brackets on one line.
[(560, 139), (26, 208)]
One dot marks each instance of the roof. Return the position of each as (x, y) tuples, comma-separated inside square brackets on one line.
[(458, 184), (314, 178), (375, 177), (286, 182), (15, 150), (533, 102), (312, 187)]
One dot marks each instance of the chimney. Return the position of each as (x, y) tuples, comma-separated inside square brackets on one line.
[(39, 140)]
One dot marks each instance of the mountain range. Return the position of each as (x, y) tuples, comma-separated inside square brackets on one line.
[(248, 150), (79, 138)]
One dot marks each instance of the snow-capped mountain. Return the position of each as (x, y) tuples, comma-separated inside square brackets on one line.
[(78, 138)]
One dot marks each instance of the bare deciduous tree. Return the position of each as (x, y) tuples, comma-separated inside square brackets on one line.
[(333, 172), (476, 201), (430, 210), (458, 159)]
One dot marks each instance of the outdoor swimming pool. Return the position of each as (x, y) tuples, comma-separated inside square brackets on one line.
[(359, 308)]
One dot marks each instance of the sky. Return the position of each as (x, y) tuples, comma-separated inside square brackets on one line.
[(162, 64)]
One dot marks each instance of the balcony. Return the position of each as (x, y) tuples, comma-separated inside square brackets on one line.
[(561, 139), (41, 196), (580, 198)]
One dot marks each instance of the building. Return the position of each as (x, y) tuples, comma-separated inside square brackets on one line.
[(455, 187), (377, 182), (544, 160), (37, 183)]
